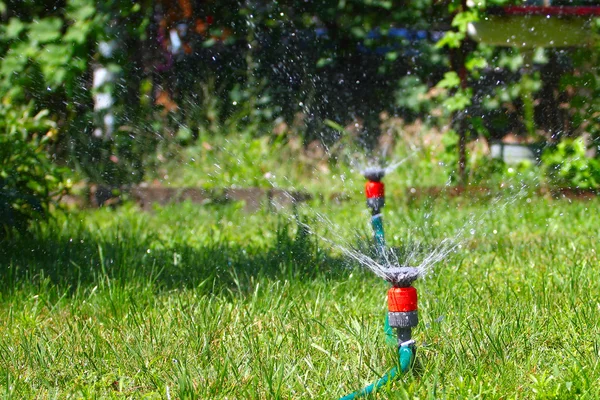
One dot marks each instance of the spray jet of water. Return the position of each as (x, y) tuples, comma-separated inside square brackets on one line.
[(400, 269), (375, 171)]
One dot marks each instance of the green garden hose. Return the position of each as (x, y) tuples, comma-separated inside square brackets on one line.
[(405, 357)]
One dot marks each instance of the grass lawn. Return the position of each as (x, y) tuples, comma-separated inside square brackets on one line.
[(212, 303)]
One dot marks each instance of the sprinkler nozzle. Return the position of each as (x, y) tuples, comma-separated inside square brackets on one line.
[(373, 174), (401, 277)]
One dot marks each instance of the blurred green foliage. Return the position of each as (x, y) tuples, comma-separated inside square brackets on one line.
[(188, 72), (45, 69), (568, 166), (29, 178)]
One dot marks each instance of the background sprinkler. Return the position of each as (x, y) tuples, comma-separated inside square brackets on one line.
[(375, 191)]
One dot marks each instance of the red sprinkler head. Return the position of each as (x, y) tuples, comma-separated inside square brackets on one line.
[(402, 299), (374, 189)]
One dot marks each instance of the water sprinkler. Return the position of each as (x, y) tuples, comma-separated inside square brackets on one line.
[(375, 192), (402, 316)]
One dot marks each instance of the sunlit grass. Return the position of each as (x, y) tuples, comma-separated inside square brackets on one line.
[(239, 160), (210, 302)]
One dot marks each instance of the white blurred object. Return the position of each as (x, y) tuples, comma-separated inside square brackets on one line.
[(514, 153), (102, 76), (107, 49), (102, 101), (109, 124), (175, 41)]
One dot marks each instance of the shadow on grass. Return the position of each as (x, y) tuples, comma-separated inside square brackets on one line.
[(77, 258)]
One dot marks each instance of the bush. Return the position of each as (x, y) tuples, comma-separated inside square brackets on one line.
[(28, 178), (568, 166)]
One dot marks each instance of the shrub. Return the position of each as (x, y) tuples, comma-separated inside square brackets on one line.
[(568, 166), (28, 178)]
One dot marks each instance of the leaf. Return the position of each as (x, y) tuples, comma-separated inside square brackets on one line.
[(462, 20), (451, 80), (460, 101), (41, 114), (391, 56), (451, 39), (476, 63), (13, 62), (209, 43), (55, 55), (539, 56), (334, 125), (14, 28), (513, 62), (77, 33), (411, 93), (25, 49), (53, 59), (358, 32), (45, 30), (82, 12), (322, 62)]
